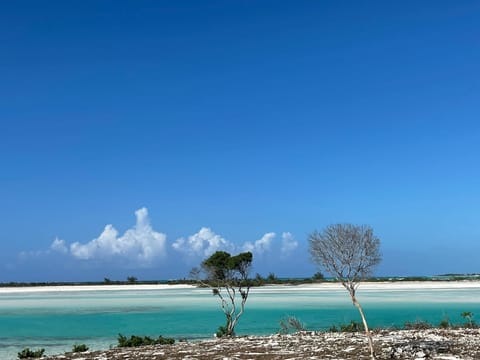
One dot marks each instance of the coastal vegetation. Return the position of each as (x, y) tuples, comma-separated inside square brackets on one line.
[(349, 253), (258, 280), (31, 354), (135, 341), (79, 348), (228, 277)]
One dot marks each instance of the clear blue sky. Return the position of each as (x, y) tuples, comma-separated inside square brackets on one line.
[(138, 136)]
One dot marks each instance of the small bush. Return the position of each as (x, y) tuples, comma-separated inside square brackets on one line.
[(221, 332), (136, 341), (417, 325), (79, 348), (291, 323), (354, 326), (444, 324), (29, 354)]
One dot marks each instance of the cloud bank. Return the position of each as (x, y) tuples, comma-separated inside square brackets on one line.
[(143, 247), (140, 244)]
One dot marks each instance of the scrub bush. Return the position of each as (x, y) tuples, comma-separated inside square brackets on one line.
[(30, 354), (135, 341), (79, 348)]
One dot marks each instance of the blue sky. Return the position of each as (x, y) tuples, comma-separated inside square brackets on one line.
[(138, 136)]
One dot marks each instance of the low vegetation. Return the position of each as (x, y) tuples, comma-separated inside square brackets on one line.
[(79, 348), (31, 354), (135, 341)]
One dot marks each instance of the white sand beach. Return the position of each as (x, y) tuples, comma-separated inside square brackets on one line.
[(373, 286), (65, 288)]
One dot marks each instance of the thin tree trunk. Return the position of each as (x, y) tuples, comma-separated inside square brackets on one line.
[(364, 320)]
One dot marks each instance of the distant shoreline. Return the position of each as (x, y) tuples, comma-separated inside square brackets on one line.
[(365, 286), (256, 282)]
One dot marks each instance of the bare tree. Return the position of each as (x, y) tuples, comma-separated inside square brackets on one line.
[(228, 277), (349, 253)]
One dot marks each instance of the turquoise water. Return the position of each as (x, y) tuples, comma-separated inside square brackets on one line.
[(56, 320)]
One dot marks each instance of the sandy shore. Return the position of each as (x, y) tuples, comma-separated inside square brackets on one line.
[(61, 288), (394, 285)]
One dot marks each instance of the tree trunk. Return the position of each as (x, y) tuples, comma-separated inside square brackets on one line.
[(364, 320)]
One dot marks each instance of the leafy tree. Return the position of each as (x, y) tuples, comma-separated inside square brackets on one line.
[(318, 276), (132, 279), (349, 253), (272, 278), (228, 277)]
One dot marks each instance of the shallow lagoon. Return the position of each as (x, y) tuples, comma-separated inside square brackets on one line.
[(56, 319)]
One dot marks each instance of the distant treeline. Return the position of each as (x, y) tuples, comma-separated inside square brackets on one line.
[(258, 280)]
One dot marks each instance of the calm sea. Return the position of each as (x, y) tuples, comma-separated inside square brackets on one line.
[(56, 320)]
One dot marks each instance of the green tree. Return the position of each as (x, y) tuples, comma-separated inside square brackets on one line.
[(132, 279), (228, 277), (318, 276), (349, 253)]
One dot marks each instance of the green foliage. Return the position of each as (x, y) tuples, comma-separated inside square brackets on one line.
[(291, 323), (221, 266), (318, 276), (444, 323), (30, 354), (132, 279), (223, 331), (417, 325), (79, 348), (272, 278), (353, 326), (136, 341)]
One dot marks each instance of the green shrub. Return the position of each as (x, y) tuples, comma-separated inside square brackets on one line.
[(354, 326), (221, 332), (29, 354), (135, 341), (444, 324), (79, 348)]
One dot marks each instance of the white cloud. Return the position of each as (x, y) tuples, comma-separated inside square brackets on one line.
[(289, 244), (204, 243), (260, 246), (140, 244), (59, 246)]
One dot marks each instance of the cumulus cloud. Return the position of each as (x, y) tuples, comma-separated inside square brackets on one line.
[(204, 243), (140, 244), (261, 245), (289, 244), (59, 246)]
